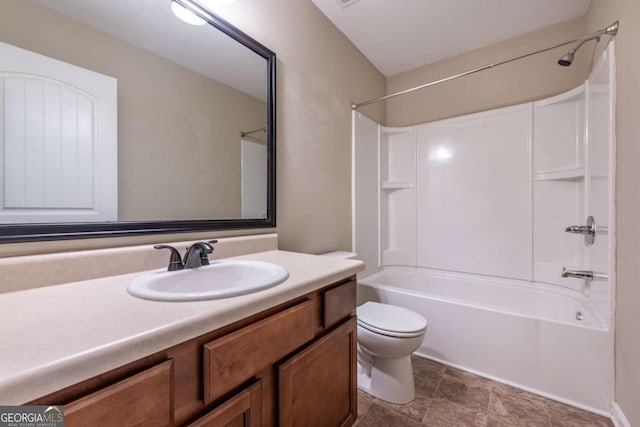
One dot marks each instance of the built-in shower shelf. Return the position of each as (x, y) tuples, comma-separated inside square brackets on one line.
[(396, 185), (568, 174), (599, 173)]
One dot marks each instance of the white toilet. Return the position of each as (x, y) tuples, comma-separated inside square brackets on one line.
[(387, 336)]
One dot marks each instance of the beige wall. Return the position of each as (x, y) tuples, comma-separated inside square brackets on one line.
[(601, 14), (172, 122), (532, 78)]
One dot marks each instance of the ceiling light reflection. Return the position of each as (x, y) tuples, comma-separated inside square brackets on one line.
[(440, 153), (186, 15)]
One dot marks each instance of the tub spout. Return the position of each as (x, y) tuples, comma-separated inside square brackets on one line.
[(584, 274)]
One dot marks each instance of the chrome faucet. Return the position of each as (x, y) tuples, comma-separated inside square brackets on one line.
[(195, 256)]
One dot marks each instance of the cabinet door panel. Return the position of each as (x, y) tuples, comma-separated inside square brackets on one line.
[(142, 399), (233, 359), (242, 410), (318, 385)]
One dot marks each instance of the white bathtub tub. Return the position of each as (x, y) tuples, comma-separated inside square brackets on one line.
[(509, 330)]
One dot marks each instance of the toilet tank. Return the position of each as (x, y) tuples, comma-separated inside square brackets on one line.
[(341, 254), (361, 297)]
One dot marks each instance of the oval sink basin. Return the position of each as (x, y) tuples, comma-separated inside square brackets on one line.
[(220, 279)]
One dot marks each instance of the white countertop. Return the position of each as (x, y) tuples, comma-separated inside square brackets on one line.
[(57, 336)]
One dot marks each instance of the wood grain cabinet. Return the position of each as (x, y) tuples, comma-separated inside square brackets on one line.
[(291, 365), (142, 399), (242, 410), (318, 385), (338, 303), (230, 360)]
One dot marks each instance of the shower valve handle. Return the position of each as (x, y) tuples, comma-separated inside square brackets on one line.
[(579, 229), (589, 231)]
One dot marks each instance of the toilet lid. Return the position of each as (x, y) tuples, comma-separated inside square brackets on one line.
[(390, 319)]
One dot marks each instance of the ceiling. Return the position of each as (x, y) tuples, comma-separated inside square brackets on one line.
[(400, 35), (150, 25)]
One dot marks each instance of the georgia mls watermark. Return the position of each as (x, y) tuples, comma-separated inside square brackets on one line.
[(31, 416)]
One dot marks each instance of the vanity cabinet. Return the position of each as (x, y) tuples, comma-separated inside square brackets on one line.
[(291, 365)]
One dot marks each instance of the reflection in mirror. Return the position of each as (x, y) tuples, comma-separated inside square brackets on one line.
[(119, 111)]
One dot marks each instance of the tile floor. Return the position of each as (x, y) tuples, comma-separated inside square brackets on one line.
[(448, 397)]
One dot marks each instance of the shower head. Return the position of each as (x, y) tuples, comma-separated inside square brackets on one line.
[(567, 59)]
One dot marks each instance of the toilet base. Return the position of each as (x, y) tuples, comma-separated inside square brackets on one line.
[(389, 379)]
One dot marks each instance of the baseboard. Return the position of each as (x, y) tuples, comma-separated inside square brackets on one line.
[(525, 388), (617, 416)]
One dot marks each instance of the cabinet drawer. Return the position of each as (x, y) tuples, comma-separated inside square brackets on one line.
[(339, 303), (231, 360), (242, 410), (142, 399)]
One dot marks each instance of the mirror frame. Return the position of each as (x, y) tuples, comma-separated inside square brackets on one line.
[(13, 233)]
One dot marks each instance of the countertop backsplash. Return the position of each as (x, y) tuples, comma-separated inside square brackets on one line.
[(34, 271)]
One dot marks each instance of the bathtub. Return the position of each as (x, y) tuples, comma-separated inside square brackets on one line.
[(520, 333)]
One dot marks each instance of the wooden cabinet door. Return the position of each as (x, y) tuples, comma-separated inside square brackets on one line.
[(242, 410), (317, 387)]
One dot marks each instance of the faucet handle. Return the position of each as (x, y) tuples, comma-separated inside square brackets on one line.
[(175, 260), (205, 246), (206, 249), (579, 229), (589, 231), (204, 259), (202, 249)]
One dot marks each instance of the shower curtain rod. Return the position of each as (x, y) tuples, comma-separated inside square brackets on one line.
[(249, 132), (610, 30)]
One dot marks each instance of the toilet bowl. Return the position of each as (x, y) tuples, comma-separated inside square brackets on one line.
[(387, 336)]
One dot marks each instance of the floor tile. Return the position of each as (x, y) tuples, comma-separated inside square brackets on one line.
[(513, 407), (567, 416), (364, 402), (466, 389), (496, 422), (444, 413), (414, 409), (427, 375), (379, 416), (449, 397)]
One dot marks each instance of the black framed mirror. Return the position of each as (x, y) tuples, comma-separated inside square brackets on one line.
[(119, 119)]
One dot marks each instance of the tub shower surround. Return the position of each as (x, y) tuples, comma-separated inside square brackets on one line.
[(463, 221)]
